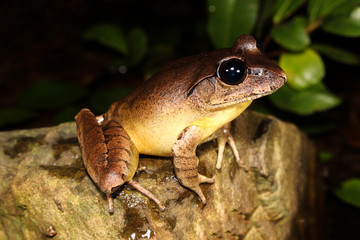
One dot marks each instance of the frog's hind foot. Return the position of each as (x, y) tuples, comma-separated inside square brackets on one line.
[(110, 202), (109, 155), (147, 193)]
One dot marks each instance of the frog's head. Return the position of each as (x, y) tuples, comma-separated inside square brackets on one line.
[(242, 73)]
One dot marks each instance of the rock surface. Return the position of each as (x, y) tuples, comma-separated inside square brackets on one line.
[(44, 189)]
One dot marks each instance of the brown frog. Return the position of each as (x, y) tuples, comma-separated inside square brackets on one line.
[(188, 102)]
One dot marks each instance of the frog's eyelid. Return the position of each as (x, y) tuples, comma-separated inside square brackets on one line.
[(191, 90)]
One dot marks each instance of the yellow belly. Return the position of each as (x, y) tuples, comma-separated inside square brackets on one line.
[(157, 136), (212, 123)]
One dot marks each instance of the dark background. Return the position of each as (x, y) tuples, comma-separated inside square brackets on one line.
[(42, 39)]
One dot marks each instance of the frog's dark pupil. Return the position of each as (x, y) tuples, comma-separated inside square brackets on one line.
[(231, 72)]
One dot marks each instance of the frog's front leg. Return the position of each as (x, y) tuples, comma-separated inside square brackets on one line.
[(185, 160), (223, 136)]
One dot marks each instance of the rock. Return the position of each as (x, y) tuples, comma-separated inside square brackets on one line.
[(45, 190)]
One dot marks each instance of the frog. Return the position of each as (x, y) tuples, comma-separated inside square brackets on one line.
[(188, 102)]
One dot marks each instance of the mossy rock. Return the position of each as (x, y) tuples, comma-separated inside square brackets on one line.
[(44, 186)]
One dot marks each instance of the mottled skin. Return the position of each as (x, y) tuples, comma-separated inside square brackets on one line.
[(181, 106)]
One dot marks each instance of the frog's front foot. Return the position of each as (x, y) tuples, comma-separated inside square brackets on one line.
[(185, 161), (223, 136)]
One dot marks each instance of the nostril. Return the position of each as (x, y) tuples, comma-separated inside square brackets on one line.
[(256, 72)]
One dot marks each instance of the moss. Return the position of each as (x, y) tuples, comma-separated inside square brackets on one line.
[(133, 223), (39, 189), (171, 222), (23, 144), (58, 149), (75, 171), (262, 128)]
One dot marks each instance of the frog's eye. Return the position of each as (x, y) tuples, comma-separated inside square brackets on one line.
[(231, 72)]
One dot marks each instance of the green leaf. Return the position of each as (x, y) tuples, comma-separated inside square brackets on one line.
[(302, 69), (320, 8), (264, 17), (138, 43), (230, 18), (109, 36), (284, 8), (66, 114), (338, 54), (157, 53), (345, 8), (47, 94), (103, 98), (267, 9), (161, 51), (14, 115), (348, 26), (169, 34), (318, 128), (262, 108), (350, 192), (313, 99), (325, 156), (292, 35)]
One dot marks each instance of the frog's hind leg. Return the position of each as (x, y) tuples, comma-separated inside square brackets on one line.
[(147, 193), (185, 161), (109, 155), (123, 158)]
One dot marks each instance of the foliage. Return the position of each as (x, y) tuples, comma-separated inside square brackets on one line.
[(108, 35), (44, 95), (228, 19), (349, 192), (14, 115), (133, 45), (325, 156), (301, 59), (285, 27), (101, 99), (48, 93), (283, 22), (292, 35)]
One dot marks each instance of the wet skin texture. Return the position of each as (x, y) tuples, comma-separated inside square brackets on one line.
[(188, 102)]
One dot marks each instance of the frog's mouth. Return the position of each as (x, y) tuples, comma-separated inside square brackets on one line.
[(256, 88), (217, 106)]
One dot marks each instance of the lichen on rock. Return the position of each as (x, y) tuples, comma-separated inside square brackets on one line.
[(44, 183)]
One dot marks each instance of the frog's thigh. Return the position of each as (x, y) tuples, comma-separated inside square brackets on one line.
[(123, 159), (185, 160), (107, 152)]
